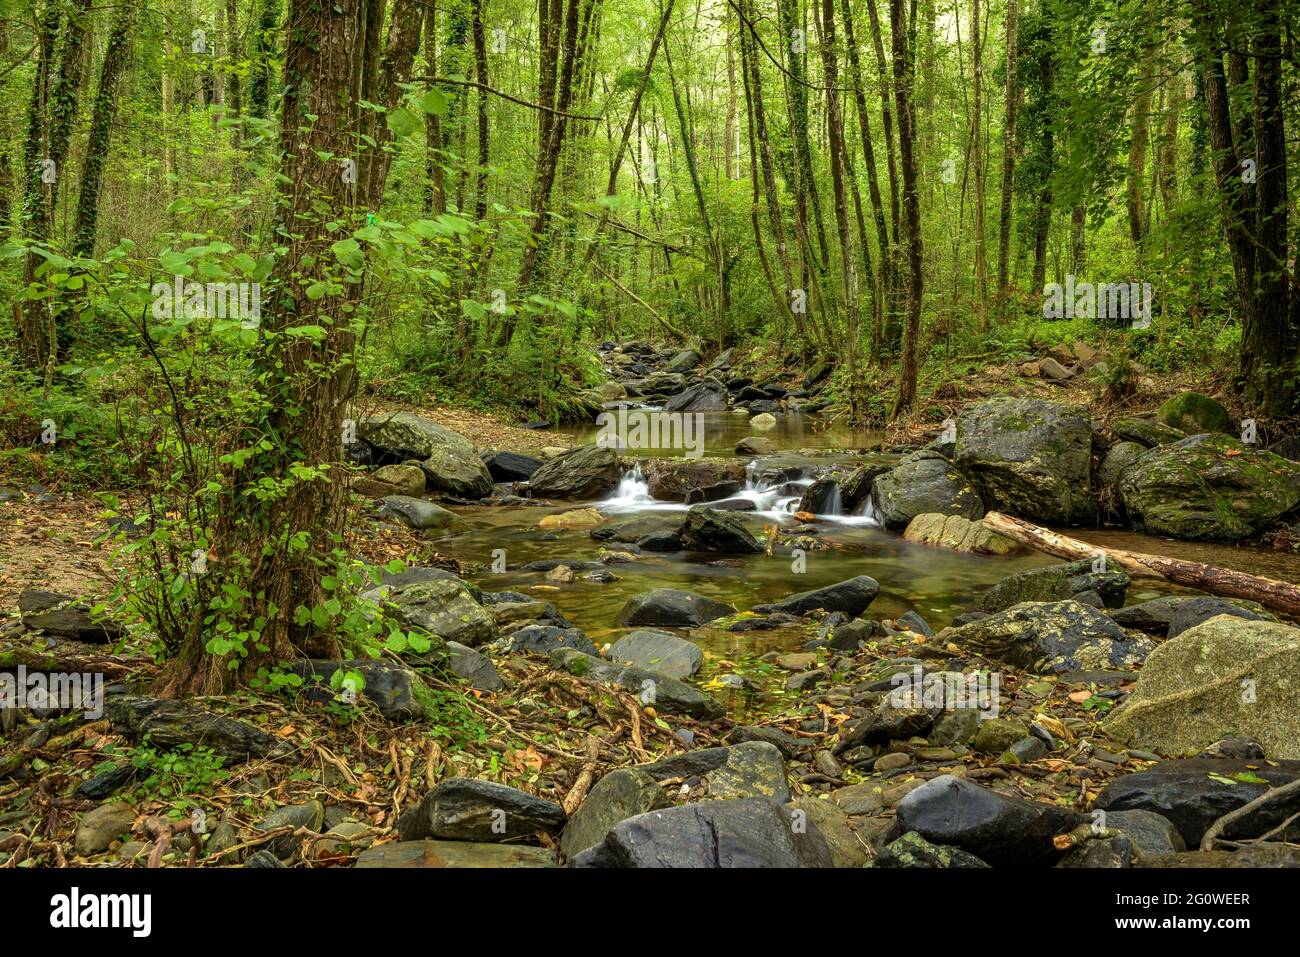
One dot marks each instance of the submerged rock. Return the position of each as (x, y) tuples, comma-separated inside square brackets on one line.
[(1225, 676)]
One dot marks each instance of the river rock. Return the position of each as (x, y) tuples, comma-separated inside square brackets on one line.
[(444, 607), (394, 689), (617, 796), (847, 849), (666, 694), (1201, 608), (856, 486), (1195, 793), (763, 421), (449, 460), (1194, 414), (998, 829), (455, 854), (390, 480), (475, 668), (708, 395), (543, 639), (709, 530), (924, 482), (100, 827), (1119, 457), (468, 809), (573, 518), (755, 445), (654, 532), (1059, 636), (1058, 583), (913, 850), (684, 361), (1224, 676), (1209, 487), (891, 721), (743, 833), (309, 815), (583, 473), (672, 607), (68, 617), (851, 596), (658, 651), (749, 769), (1146, 433), (170, 723), (959, 534), (416, 513), (1028, 457), (674, 480), (510, 466)]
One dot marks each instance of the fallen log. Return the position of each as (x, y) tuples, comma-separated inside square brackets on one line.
[(1269, 592)]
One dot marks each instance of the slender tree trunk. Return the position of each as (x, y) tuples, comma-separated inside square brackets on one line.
[(907, 373), (977, 166), (1009, 147)]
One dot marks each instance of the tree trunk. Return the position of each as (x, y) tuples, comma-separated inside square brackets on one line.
[(1008, 162), (912, 205), (278, 547)]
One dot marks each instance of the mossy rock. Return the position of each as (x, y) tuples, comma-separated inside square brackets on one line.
[(1209, 488), (1194, 414)]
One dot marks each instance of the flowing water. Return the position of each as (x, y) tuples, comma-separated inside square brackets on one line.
[(935, 582)]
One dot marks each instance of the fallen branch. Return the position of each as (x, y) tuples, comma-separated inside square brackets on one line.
[(1278, 595), (1223, 823)]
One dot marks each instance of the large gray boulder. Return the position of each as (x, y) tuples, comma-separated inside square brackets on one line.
[(924, 482), (709, 530), (583, 473), (1209, 487), (1028, 457), (448, 459), (658, 651), (1227, 676)]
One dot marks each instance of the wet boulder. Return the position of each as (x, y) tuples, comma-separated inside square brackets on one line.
[(444, 607), (924, 482), (1058, 637), (1028, 457), (674, 480), (1209, 487), (510, 466), (583, 473), (709, 395), (672, 607), (960, 535), (658, 651), (709, 530)]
